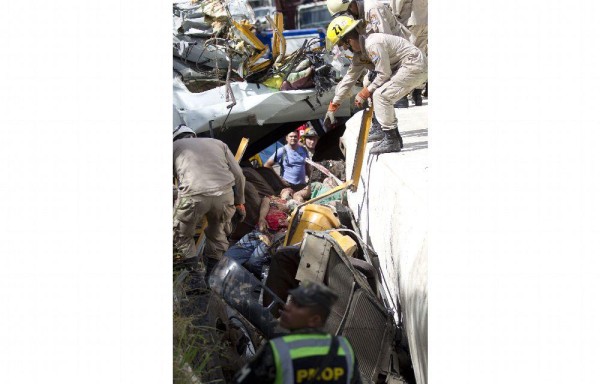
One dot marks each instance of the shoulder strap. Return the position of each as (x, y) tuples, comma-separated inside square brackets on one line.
[(284, 154), (283, 158), (333, 348)]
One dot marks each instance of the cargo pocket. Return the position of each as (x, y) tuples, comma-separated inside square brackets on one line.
[(226, 216), (183, 217)]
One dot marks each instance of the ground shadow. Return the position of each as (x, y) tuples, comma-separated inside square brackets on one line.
[(415, 133)]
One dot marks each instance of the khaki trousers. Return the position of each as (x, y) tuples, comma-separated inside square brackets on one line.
[(419, 39), (402, 82), (188, 212)]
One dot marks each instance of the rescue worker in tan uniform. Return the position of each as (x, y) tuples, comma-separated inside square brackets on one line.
[(307, 354), (206, 171), (378, 18), (413, 14), (399, 68), (310, 139)]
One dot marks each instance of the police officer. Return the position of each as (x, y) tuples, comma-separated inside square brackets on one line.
[(308, 354)]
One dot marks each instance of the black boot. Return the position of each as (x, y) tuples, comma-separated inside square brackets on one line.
[(375, 133), (417, 98), (197, 282), (402, 103), (189, 263), (392, 142)]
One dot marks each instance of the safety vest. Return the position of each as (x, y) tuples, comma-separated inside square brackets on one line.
[(299, 356)]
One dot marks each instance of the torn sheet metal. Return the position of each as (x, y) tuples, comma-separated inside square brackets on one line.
[(202, 32), (256, 105), (219, 61)]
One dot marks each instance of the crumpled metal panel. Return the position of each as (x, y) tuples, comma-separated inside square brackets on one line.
[(256, 105), (357, 314), (369, 331), (341, 280), (315, 254)]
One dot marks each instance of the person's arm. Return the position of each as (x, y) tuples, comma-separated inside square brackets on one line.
[(238, 175), (262, 214), (344, 87), (271, 162), (342, 91), (307, 167), (376, 22), (381, 60)]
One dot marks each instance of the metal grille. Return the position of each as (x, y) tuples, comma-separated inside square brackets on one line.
[(366, 330), (340, 279)]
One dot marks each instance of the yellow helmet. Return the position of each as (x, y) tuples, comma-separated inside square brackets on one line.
[(337, 29)]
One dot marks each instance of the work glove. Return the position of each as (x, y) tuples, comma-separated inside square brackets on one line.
[(240, 209), (330, 115), (361, 98)]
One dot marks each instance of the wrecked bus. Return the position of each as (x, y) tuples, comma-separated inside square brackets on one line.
[(230, 94)]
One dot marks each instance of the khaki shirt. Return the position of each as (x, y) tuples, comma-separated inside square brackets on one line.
[(379, 18), (411, 12), (383, 54), (206, 166), (419, 13)]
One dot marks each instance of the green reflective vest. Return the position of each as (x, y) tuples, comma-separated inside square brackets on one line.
[(299, 356)]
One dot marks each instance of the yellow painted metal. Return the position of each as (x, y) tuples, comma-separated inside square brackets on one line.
[(246, 34), (345, 242), (278, 44), (260, 66), (274, 82), (257, 159), (313, 216), (361, 145), (241, 149)]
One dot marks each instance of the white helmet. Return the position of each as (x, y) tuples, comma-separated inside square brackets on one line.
[(181, 129), (337, 6)]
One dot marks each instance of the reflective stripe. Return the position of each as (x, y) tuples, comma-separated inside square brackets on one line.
[(304, 336), (314, 351), (284, 371), (290, 347), (306, 342)]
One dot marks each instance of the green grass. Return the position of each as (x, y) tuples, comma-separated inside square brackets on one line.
[(198, 348)]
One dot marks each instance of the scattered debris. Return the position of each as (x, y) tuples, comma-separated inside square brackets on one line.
[(228, 70)]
